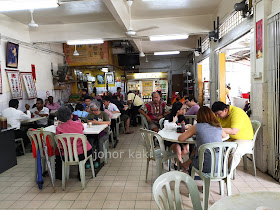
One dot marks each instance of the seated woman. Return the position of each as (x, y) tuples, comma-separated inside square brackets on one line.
[(67, 125), (170, 123), (207, 130), (98, 117), (80, 111)]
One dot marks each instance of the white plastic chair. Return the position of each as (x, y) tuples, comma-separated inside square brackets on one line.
[(71, 155), (168, 201), (144, 122), (35, 136), (219, 171), (161, 122), (191, 118), (256, 127), (158, 155)]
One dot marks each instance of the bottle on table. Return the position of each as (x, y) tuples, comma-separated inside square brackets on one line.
[(55, 122)]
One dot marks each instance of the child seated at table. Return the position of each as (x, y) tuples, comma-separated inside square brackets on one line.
[(80, 111), (67, 125), (207, 130), (170, 123)]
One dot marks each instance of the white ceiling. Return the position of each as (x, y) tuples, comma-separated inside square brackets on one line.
[(109, 19)]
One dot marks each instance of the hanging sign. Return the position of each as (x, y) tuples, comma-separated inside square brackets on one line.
[(259, 39), (15, 83), (30, 87), (1, 90)]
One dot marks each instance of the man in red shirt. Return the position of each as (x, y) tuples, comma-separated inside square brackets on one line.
[(154, 111), (118, 93)]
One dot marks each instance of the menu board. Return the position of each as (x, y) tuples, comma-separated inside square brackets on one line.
[(91, 54), (147, 87), (15, 83), (1, 90), (29, 84)]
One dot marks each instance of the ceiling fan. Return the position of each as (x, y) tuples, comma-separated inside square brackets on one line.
[(32, 23), (131, 32)]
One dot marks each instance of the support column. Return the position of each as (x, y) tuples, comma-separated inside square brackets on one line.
[(200, 84), (222, 77), (214, 73)]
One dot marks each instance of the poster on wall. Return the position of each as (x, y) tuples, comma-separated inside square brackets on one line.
[(109, 76), (259, 39), (147, 87), (12, 55), (100, 79), (1, 91), (15, 83), (29, 84)]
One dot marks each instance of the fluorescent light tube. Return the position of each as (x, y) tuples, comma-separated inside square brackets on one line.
[(168, 37), (85, 41), (167, 53), (104, 70), (13, 5)]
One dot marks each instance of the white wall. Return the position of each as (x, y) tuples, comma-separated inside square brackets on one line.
[(28, 56)]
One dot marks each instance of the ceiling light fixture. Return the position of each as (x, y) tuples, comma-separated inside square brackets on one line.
[(141, 54), (105, 70), (76, 53), (167, 53), (168, 37), (13, 5), (85, 41)]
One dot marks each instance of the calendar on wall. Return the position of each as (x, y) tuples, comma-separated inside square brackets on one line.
[(15, 83), (29, 84)]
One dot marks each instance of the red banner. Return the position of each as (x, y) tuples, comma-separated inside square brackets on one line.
[(33, 72), (259, 39)]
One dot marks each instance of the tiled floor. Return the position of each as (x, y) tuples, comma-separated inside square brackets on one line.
[(119, 185)]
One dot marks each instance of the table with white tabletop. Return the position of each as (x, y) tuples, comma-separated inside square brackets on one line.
[(34, 119), (172, 136), (116, 115), (249, 201), (94, 129)]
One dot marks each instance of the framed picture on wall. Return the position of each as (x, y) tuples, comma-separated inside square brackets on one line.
[(29, 83), (15, 83), (110, 78), (100, 79), (12, 55)]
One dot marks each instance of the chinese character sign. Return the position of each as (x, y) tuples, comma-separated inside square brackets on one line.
[(259, 39), (15, 83), (29, 85)]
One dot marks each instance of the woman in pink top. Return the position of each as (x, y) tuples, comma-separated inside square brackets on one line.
[(67, 125)]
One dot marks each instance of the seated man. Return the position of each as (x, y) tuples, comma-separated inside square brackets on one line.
[(87, 103), (114, 109), (51, 105), (84, 94), (154, 111), (192, 104), (237, 124), (14, 116), (98, 117), (40, 111), (118, 93)]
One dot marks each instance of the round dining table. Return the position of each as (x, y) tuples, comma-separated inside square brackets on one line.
[(249, 201)]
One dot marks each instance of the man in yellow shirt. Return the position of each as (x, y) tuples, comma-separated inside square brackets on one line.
[(237, 124)]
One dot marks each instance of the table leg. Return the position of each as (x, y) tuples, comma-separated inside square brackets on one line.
[(92, 139)]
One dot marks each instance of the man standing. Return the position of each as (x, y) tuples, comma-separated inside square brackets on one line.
[(84, 94), (136, 103), (88, 101), (41, 111), (154, 111), (118, 93), (237, 124), (51, 105), (192, 104), (14, 117)]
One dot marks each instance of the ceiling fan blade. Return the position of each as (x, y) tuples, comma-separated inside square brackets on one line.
[(146, 29)]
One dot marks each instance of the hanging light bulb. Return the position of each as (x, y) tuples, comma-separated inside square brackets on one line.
[(76, 53)]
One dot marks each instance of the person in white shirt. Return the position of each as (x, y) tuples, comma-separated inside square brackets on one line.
[(136, 103), (114, 109), (40, 111), (14, 117)]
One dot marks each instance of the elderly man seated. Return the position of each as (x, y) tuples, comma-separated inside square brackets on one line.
[(154, 111), (114, 109), (98, 117)]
